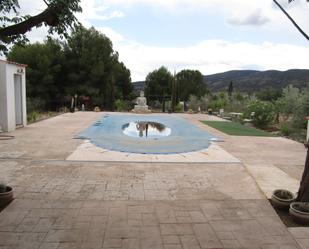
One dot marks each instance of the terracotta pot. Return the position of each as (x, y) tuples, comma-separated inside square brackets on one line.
[(300, 212), (282, 199), (6, 196)]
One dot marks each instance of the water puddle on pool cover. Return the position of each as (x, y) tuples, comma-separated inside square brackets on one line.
[(146, 129)]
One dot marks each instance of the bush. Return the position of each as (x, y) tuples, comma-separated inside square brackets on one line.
[(35, 104), (179, 108), (121, 105), (194, 103), (33, 116), (286, 129), (264, 113)]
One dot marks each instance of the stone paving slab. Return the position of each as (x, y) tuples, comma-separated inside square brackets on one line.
[(52, 180), (270, 178), (89, 152), (146, 225)]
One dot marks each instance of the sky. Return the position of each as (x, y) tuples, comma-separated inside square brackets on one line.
[(208, 35)]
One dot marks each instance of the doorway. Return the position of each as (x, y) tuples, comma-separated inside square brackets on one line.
[(18, 100)]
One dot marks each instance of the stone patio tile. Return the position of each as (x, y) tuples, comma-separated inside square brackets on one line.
[(46, 213), (149, 220), (31, 237), (172, 247), (176, 229), (44, 224), (170, 239), (225, 225), (137, 208), (287, 246), (93, 211), (258, 208), (211, 211), (10, 220), (64, 236), (49, 245), (69, 245), (112, 243), (273, 225), (117, 216), (303, 243), (197, 217), (299, 232), (123, 232), (131, 244), (206, 236), (230, 243), (225, 235), (165, 214), (189, 242), (8, 238), (91, 245), (94, 235), (28, 245), (27, 225)]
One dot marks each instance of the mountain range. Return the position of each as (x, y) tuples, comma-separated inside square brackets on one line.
[(251, 80)]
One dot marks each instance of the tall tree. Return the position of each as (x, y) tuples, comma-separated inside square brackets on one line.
[(85, 65), (93, 68), (59, 15), (44, 72), (230, 89), (190, 82), (158, 84)]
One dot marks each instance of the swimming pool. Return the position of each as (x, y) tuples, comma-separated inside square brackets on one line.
[(146, 134)]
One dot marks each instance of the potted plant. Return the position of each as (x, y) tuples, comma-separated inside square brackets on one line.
[(6, 195), (300, 212), (282, 199)]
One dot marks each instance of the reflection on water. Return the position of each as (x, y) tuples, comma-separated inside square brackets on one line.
[(146, 129)]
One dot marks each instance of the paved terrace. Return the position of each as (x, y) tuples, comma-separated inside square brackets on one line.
[(68, 204)]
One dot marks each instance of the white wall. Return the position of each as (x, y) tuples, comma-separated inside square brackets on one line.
[(7, 95), (3, 97)]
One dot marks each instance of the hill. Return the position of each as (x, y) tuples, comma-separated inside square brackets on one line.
[(251, 80)]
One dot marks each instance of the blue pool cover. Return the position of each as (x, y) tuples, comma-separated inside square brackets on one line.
[(107, 133)]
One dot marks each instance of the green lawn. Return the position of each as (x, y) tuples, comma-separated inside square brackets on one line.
[(236, 129)]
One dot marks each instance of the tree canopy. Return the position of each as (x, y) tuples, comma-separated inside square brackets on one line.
[(85, 64), (59, 15), (190, 82), (158, 84)]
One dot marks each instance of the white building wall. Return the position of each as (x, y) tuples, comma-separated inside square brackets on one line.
[(3, 97), (7, 95)]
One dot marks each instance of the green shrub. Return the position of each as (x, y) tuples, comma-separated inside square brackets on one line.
[(35, 104), (286, 129), (121, 105), (33, 116), (179, 108), (264, 113)]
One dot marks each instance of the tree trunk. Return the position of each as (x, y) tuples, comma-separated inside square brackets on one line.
[(303, 192)]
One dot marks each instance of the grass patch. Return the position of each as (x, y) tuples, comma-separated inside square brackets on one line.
[(236, 129)]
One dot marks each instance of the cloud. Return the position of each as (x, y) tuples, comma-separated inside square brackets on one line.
[(255, 18), (209, 56), (94, 10), (111, 34)]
